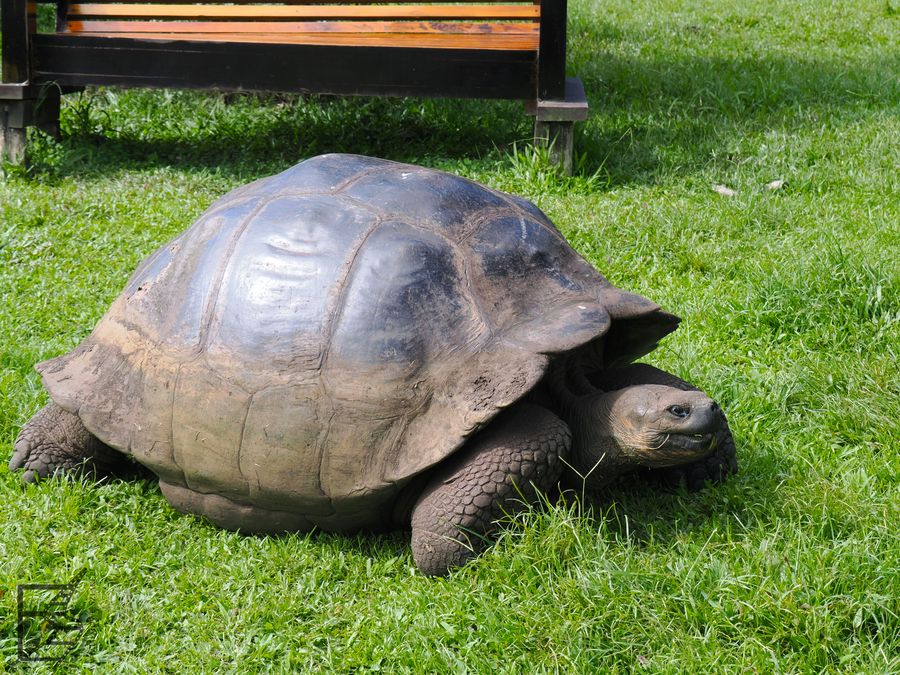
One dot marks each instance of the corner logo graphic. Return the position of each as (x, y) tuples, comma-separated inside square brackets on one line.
[(48, 626)]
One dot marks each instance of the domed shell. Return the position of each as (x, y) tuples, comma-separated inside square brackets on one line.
[(319, 337)]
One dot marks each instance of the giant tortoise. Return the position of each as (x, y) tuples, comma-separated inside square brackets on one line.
[(360, 344)]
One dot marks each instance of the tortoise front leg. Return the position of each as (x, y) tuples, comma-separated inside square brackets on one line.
[(500, 472), (54, 441)]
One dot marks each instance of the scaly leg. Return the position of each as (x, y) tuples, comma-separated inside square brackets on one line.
[(55, 440), (503, 469)]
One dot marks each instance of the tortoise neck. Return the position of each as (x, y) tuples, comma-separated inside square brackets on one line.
[(596, 456), (568, 386)]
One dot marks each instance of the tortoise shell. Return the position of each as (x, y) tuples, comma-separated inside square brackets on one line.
[(319, 337)]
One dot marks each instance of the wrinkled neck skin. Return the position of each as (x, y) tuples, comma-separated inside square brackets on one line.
[(596, 457)]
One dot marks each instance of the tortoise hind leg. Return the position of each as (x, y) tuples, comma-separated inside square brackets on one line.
[(715, 467), (56, 441), (497, 474)]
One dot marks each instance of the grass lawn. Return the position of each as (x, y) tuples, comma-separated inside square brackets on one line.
[(791, 306)]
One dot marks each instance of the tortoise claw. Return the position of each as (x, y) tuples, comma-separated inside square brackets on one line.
[(17, 461), (24, 456)]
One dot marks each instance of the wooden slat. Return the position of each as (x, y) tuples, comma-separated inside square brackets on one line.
[(268, 28), (250, 3), (76, 60), (158, 11), (423, 40)]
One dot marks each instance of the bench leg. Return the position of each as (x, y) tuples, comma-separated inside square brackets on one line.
[(554, 122), (17, 115), (559, 137), (12, 134), (12, 145), (46, 113)]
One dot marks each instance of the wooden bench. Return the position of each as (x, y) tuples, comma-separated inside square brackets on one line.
[(490, 50)]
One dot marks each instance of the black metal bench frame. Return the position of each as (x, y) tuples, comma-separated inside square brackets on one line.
[(37, 67)]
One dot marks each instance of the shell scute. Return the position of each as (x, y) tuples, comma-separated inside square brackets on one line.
[(280, 287), (443, 201), (167, 298), (405, 308)]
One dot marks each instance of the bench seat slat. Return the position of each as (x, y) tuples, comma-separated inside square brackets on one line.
[(126, 28), (158, 11), (508, 43)]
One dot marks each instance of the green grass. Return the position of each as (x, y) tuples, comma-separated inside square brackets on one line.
[(791, 307)]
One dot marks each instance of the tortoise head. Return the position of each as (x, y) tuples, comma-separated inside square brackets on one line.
[(655, 425), (647, 425)]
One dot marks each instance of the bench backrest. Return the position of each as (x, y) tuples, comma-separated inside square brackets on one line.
[(477, 25), (536, 30)]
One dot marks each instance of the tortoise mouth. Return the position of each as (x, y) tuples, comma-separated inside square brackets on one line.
[(681, 448), (692, 442)]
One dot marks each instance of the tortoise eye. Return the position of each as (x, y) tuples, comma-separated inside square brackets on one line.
[(679, 411)]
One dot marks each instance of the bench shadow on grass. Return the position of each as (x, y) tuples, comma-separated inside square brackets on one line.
[(649, 116), (247, 135)]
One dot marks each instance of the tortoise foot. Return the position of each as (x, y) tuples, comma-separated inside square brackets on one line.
[(55, 441)]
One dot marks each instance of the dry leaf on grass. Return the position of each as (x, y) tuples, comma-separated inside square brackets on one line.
[(724, 190)]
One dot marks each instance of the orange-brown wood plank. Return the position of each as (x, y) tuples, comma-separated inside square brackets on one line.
[(265, 28), (158, 11), (257, 3), (424, 40)]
